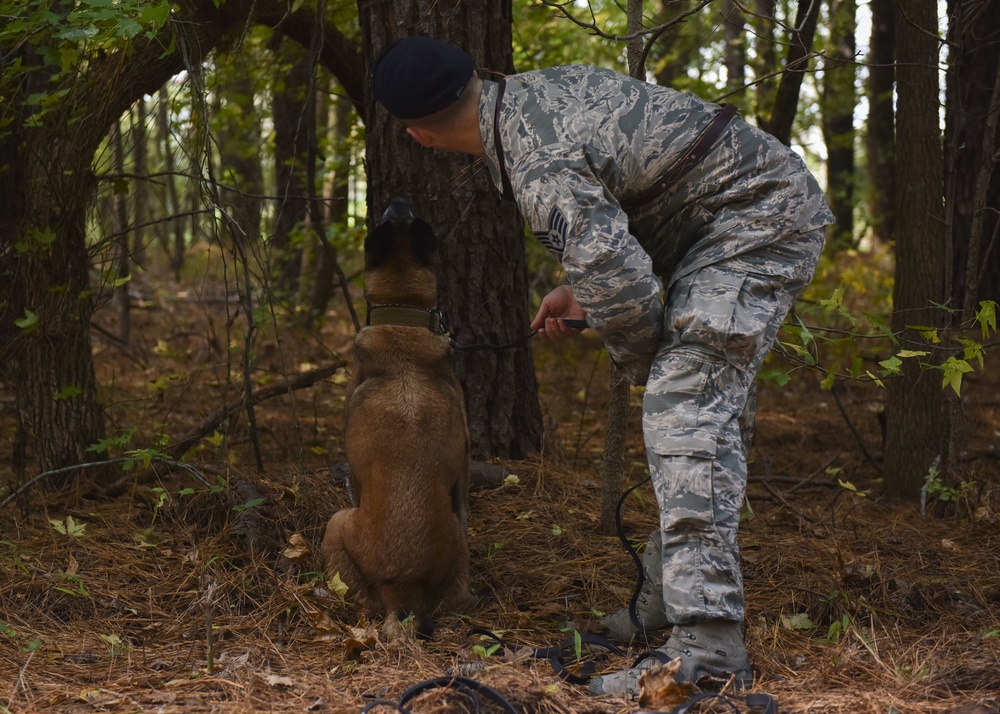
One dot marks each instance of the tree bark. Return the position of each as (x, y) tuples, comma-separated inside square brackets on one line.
[(482, 275), (735, 58), (972, 123), (779, 120), (291, 152), (881, 126), (917, 425), (838, 103)]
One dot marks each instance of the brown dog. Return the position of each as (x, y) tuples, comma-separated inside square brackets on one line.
[(402, 549)]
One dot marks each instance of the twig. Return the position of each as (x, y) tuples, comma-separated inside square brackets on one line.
[(299, 381), (850, 425), (96, 464), (810, 477), (778, 495)]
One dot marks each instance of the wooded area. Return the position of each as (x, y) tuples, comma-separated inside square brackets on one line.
[(185, 187)]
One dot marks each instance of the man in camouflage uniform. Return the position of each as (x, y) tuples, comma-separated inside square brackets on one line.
[(686, 286)]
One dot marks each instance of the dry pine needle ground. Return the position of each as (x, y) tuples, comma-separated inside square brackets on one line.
[(168, 597)]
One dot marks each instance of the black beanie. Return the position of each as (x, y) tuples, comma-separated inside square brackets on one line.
[(417, 76)]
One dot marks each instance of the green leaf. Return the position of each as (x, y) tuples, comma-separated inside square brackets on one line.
[(252, 503), (973, 351), (28, 323), (774, 375), (912, 353), (892, 365), (337, 586), (129, 28), (986, 316), (953, 371), (155, 15), (6, 629), (68, 393), (799, 621)]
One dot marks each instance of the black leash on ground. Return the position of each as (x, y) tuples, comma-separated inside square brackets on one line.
[(757, 703), (469, 688), (562, 656), (633, 603)]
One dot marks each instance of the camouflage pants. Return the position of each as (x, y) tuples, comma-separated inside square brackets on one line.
[(698, 408)]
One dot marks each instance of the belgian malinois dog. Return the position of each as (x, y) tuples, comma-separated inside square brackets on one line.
[(402, 549)]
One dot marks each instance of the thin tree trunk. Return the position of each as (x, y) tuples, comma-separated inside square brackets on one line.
[(291, 152), (838, 103), (734, 33), (917, 427), (972, 119), (782, 115), (173, 198), (119, 223), (139, 194), (765, 62), (881, 125)]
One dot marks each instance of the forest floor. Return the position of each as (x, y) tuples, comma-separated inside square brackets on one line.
[(197, 590)]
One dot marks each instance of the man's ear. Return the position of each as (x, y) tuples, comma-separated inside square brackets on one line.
[(421, 136)]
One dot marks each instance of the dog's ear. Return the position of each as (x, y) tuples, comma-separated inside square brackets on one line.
[(378, 245), (423, 242)]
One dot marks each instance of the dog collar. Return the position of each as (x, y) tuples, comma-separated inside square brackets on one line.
[(406, 316)]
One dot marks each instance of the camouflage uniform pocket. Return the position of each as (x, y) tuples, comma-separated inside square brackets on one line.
[(725, 313)]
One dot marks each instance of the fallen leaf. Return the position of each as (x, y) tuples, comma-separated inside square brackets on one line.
[(659, 689), (298, 548), (277, 680)]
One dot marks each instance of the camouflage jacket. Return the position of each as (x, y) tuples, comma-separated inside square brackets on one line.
[(580, 141)]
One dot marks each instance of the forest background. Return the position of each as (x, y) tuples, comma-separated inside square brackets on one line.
[(185, 190)]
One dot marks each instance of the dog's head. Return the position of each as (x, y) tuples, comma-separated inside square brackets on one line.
[(399, 259)]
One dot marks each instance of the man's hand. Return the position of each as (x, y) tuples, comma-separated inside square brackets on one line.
[(558, 305)]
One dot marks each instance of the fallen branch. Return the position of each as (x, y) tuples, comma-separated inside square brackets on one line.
[(299, 381)]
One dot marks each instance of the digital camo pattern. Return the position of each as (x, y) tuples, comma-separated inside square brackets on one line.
[(731, 245), (586, 140), (698, 412)]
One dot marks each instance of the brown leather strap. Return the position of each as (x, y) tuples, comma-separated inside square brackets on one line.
[(508, 190), (694, 154)]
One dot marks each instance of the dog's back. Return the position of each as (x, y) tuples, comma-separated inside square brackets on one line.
[(403, 548)]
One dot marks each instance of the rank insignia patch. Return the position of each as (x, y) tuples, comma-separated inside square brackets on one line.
[(554, 238)]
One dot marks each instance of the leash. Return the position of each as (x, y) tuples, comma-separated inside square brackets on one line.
[(561, 655), (433, 320), (758, 703), (633, 603), (488, 346), (469, 688)]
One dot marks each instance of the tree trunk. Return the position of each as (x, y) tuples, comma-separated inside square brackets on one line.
[(327, 273), (123, 261), (973, 139), (765, 62), (291, 152), (477, 232), (736, 51), (838, 102), (48, 291), (173, 202), (779, 120), (139, 195), (917, 426), (238, 139), (676, 45), (881, 136)]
